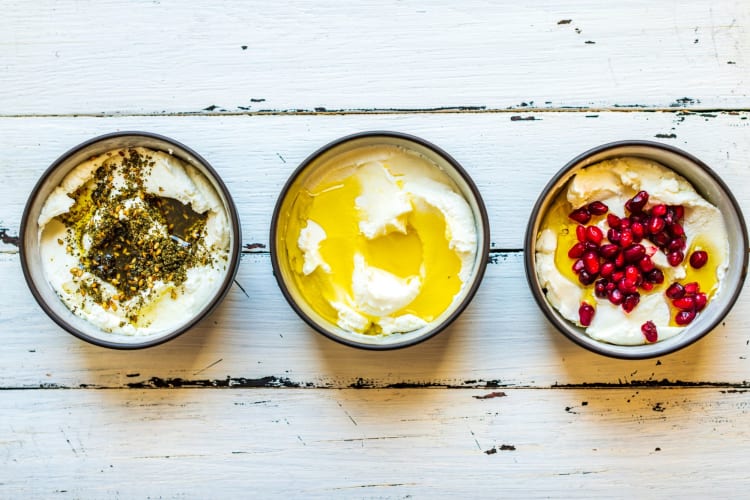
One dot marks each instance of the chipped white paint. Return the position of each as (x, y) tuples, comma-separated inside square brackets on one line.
[(321, 439), (112, 56), (303, 443)]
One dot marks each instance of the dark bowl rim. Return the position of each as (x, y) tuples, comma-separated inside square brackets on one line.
[(481, 262), (530, 239), (232, 264)]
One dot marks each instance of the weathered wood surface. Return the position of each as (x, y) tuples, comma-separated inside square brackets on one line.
[(116, 57), (252, 400), (194, 443)]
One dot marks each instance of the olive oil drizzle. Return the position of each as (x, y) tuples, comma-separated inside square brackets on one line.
[(130, 238)]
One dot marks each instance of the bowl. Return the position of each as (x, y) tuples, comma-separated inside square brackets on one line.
[(708, 184), (203, 302), (336, 160)]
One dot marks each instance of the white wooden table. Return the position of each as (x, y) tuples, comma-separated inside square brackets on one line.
[(252, 400)]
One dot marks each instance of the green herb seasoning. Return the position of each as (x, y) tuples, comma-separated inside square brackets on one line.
[(130, 238)]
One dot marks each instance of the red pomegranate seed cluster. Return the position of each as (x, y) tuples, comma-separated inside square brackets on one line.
[(618, 265), (688, 299)]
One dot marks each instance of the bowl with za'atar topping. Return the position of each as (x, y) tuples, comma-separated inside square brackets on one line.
[(636, 249), (379, 240), (129, 239)]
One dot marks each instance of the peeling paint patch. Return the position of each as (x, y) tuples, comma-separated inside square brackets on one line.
[(9, 240), (491, 395), (255, 99), (564, 21), (503, 447), (518, 118), (212, 107), (253, 246), (684, 101), (589, 42), (666, 136), (244, 47), (172, 383)]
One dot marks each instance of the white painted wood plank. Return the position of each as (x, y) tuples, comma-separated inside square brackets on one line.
[(384, 443), (510, 160), (257, 340), (116, 57)]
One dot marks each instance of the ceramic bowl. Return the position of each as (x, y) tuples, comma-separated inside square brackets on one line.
[(708, 184), (317, 165), (31, 259)]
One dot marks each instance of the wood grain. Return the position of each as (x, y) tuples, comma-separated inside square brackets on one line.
[(253, 402), (254, 340), (114, 57), (196, 443), (510, 160)]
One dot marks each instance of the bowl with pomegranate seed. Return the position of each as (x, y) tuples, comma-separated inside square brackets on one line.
[(636, 249)]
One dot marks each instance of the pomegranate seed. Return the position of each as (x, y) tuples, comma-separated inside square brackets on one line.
[(676, 229), (661, 239), (683, 318), (578, 266), (649, 331), (656, 225), (600, 288), (585, 314), (580, 215), (626, 238), (618, 276), (701, 299), (613, 221), (586, 278), (674, 258), (659, 210), (627, 286), (613, 235), (616, 297), (676, 244), (576, 250), (608, 250), (632, 273), (598, 208), (686, 303), (607, 269), (641, 218), (647, 285), (594, 234), (631, 301), (581, 233), (646, 264), (610, 286), (655, 276), (679, 212), (638, 230), (692, 288), (591, 262), (675, 291), (620, 260), (637, 202), (698, 259), (634, 253), (624, 223)]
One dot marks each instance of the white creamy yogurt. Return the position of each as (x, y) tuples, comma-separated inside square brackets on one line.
[(73, 262), (613, 182), (392, 185)]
